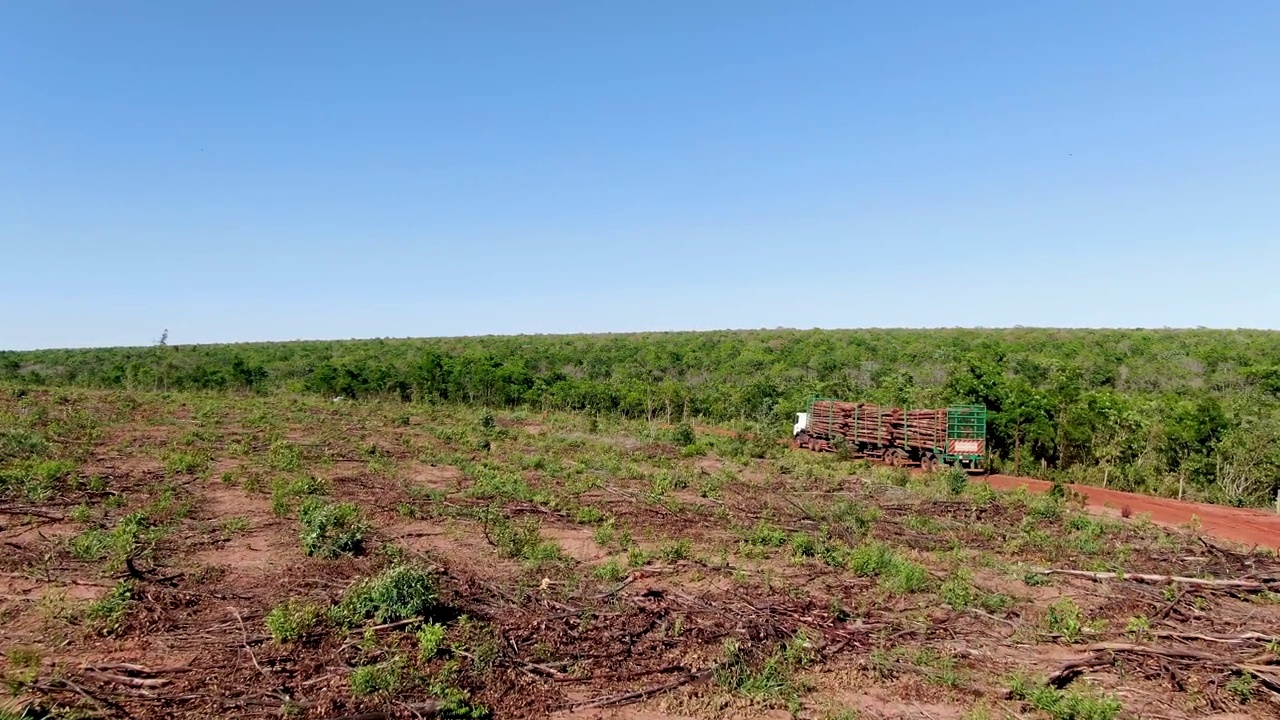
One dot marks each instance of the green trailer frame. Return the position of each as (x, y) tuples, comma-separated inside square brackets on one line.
[(966, 442), (966, 435)]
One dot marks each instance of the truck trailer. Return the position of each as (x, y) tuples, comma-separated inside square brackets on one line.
[(955, 435)]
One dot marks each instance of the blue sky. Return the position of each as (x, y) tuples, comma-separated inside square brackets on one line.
[(271, 171)]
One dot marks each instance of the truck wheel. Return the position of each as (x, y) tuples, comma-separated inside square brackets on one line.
[(929, 462), (895, 457)]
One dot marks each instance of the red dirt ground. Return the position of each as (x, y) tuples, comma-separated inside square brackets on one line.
[(1243, 525)]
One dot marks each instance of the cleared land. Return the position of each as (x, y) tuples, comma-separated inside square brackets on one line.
[(201, 556)]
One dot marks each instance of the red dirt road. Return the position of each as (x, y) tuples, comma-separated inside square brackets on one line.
[(1243, 525)]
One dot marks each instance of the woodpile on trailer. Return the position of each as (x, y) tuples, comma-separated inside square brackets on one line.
[(878, 425), (876, 430)]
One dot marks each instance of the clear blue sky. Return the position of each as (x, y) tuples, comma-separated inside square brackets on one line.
[(270, 170)]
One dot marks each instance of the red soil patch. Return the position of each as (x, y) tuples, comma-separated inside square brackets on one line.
[(1242, 525)]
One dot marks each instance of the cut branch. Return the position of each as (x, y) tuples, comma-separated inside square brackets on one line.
[(1164, 579)]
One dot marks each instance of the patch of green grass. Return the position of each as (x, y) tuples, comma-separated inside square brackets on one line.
[(1064, 704), (292, 619), (24, 668), (922, 524), (36, 480), (958, 591), (107, 614), (897, 574), (804, 545), (186, 463), (1241, 687), (497, 484), (236, 525), (132, 536), (611, 571), (284, 491), (905, 577), (765, 535), (587, 515), (636, 557), (398, 593), (604, 533), (771, 679)]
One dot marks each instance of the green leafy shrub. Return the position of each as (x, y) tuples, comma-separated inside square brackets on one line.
[(1064, 618), (430, 640), (331, 530), (398, 593), (372, 679)]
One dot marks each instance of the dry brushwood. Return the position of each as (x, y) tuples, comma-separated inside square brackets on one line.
[(1256, 585)]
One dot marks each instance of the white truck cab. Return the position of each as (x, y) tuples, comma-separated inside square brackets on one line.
[(802, 423)]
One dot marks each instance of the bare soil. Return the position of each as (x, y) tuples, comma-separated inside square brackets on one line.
[(679, 587)]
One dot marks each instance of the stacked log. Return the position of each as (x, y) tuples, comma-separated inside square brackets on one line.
[(878, 425)]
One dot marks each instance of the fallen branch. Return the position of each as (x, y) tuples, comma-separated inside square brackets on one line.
[(126, 681), (1241, 638), (638, 695), (1162, 579)]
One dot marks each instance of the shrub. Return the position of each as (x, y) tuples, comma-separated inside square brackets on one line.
[(683, 435), (331, 530), (430, 640), (1064, 618), (371, 679), (292, 619), (398, 593), (957, 479), (676, 551), (521, 540)]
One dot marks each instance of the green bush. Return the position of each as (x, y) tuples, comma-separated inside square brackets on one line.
[(331, 530), (372, 679), (430, 640), (398, 593)]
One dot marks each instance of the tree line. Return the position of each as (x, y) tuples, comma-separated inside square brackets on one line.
[(1175, 412)]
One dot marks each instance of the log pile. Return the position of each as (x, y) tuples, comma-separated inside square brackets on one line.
[(878, 425)]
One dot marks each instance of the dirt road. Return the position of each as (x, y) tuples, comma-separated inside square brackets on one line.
[(1243, 525)]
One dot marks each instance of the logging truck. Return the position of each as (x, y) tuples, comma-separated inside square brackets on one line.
[(955, 435)]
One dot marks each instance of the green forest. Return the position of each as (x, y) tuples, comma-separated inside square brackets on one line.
[(1171, 412)]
